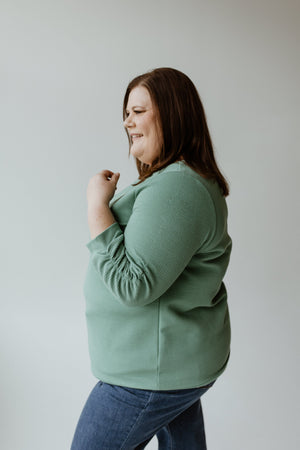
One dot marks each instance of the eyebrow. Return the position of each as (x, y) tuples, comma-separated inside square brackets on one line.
[(137, 106)]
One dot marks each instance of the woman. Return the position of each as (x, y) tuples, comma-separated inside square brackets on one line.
[(156, 306)]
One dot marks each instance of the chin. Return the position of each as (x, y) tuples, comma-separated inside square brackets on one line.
[(138, 156)]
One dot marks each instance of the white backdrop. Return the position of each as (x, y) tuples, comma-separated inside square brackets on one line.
[(65, 67)]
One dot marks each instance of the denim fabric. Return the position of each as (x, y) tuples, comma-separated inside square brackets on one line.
[(121, 418)]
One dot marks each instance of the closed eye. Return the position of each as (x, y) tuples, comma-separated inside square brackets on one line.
[(136, 111)]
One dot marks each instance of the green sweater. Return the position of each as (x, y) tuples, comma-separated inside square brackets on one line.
[(156, 305)]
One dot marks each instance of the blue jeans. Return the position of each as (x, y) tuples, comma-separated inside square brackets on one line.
[(121, 418)]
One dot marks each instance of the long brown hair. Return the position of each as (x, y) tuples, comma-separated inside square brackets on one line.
[(183, 123)]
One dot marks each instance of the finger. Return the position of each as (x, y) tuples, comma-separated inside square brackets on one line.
[(115, 177), (106, 173)]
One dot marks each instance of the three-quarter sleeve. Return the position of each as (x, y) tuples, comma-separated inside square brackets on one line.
[(172, 218)]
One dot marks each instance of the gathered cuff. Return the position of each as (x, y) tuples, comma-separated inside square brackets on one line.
[(101, 243)]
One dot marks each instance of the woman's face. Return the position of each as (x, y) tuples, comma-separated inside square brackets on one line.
[(142, 126)]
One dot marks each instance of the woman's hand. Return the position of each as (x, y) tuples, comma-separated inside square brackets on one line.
[(101, 189)]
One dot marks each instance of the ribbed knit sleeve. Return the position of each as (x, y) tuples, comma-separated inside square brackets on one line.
[(172, 218)]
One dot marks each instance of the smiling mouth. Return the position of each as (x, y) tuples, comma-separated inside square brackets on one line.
[(134, 137)]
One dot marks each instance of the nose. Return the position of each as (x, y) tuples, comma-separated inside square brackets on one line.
[(128, 121)]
